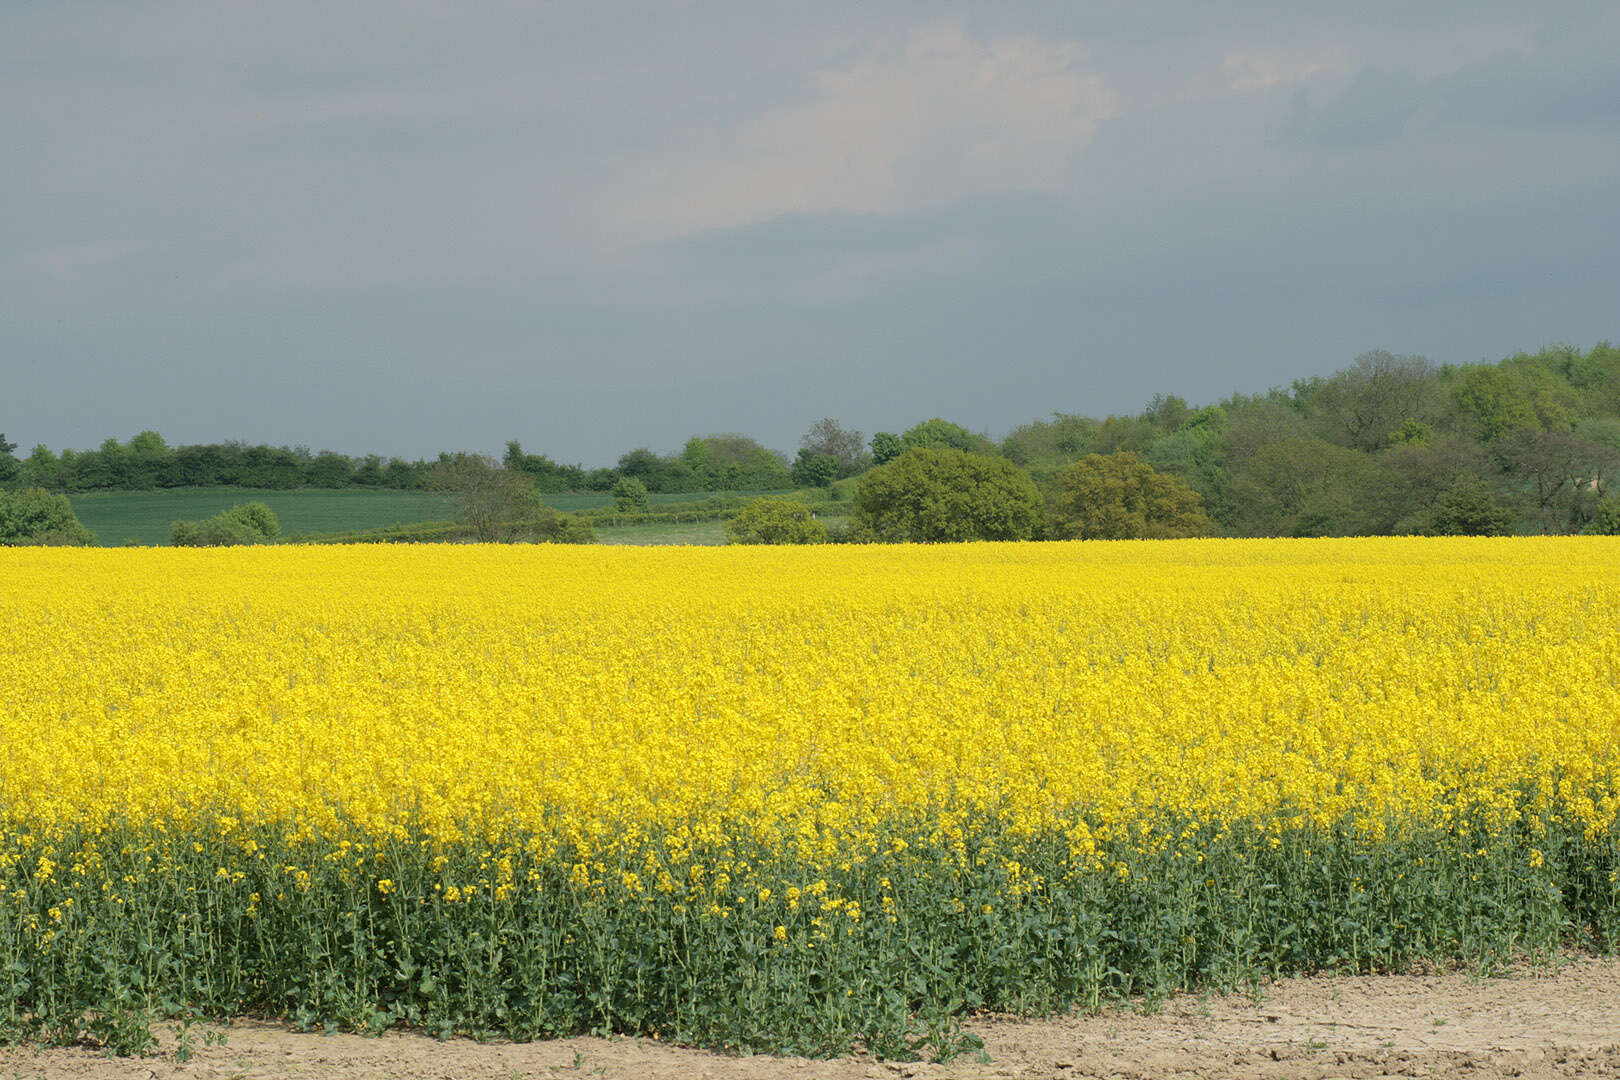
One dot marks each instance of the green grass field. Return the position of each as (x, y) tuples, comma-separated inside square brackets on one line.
[(700, 532), (145, 517), (697, 532), (591, 500)]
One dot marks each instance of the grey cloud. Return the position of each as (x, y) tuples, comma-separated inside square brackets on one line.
[(1533, 91), (1539, 91), (1375, 109), (386, 226)]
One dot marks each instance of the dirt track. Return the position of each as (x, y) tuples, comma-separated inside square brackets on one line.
[(1555, 1022)]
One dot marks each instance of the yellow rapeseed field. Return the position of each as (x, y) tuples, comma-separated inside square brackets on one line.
[(1097, 758)]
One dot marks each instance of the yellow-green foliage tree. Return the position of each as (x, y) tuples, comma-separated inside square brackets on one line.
[(775, 521), (1121, 497)]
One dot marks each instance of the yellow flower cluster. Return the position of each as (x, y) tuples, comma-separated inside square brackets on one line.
[(583, 697), (788, 798)]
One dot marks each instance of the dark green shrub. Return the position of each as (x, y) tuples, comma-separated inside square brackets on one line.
[(244, 523)]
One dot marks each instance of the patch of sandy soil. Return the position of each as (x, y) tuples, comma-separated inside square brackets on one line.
[(1561, 1020)]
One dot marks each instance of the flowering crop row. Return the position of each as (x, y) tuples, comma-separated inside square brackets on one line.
[(788, 799)]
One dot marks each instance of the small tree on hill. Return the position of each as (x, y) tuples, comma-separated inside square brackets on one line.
[(1121, 497), (942, 494), (775, 521)]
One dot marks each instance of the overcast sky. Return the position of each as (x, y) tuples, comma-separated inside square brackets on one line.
[(412, 226)]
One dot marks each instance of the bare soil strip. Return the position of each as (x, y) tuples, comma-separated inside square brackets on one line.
[(1562, 1020)]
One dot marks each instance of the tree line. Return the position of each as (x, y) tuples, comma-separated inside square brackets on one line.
[(1390, 444), (147, 461)]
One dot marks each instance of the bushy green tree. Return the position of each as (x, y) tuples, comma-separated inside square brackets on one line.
[(548, 475), (1167, 411), (148, 462), (256, 516), (943, 494), (1121, 497), (1364, 405), (10, 467), (886, 446), (1117, 433), (939, 432), (1605, 518), (815, 470), (330, 469), (35, 516), (828, 438), (1052, 443), (629, 495), (1412, 433), (1307, 487), (1413, 477), (1468, 508), (1497, 401), (42, 469), (242, 524), (546, 525), (1191, 450), (775, 521), (1597, 376), (217, 531), (724, 462), (494, 504)]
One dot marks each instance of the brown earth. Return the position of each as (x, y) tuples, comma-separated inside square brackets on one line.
[(1560, 1020)]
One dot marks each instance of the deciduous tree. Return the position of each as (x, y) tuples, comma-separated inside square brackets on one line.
[(488, 499), (775, 521), (886, 446), (827, 437), (943, 494), (815, 470), (35, 516), (1469, 509), (10, 467), (629, 495), (1121, 497), (940, 432)]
